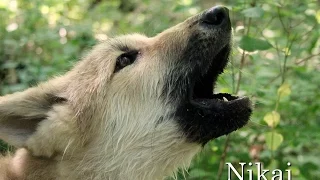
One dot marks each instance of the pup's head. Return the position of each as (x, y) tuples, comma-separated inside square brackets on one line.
[(202, 46), (133, 98)]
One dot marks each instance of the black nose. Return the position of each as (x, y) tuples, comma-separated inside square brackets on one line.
[(216, 16)]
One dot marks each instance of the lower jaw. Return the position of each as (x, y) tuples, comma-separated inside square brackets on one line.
[(205, 102), (216, 117)]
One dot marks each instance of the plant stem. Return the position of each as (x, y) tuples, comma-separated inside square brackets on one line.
[(223, 157), (307, 58), (242, 63)]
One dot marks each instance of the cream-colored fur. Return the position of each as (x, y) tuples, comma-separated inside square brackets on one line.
[(100, 124)]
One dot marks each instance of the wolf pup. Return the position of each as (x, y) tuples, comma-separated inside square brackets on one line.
[(135, 108)]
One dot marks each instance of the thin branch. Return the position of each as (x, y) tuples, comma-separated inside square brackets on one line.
[(260, 30), (281, 21), (306, 58), (242, 62), (223, 157), (284, 67), (226, 145), (272, 80)]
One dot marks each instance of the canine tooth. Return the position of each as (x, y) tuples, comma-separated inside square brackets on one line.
[(225, 99)]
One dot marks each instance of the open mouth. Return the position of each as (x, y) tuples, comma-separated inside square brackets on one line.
[(213, 115), (201, 114), (201, 90)]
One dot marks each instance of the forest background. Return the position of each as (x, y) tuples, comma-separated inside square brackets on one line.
[(275, 61)]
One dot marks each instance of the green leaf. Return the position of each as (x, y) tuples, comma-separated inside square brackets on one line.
[(9, 65), (251, 44), (272, 118), (198, 173), (274, 164), (273, 140), (284, 90), (318, 16), (254, 12)]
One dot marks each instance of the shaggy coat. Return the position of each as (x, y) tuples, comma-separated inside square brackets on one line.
[(133, 108)]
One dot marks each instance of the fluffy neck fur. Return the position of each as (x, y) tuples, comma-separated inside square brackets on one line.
[(22, 166), (97, 165)]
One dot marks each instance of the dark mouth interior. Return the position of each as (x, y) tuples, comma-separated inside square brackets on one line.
[(202, 89), (205, 115)]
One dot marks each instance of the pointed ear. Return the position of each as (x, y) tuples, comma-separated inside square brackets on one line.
[(20, 113)]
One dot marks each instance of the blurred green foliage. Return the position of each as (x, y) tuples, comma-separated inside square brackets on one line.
[(279, 68)]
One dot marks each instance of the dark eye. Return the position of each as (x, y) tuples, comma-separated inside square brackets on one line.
[(125, 59)]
